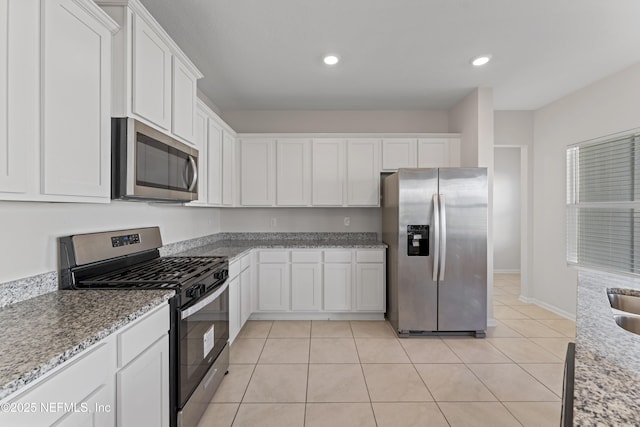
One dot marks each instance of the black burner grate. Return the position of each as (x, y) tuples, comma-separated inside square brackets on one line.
[(161, 272)]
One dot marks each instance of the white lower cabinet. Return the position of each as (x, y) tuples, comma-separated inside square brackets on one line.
[(122, 380), (246, 300), (310, 282), (70, 385), (273, 287), (370, 292), (306, 287), (337, 287), (240, 294), (143, 388), (99, 417), (234, 308)]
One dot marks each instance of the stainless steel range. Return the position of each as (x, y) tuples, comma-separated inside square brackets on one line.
[(199, 334)]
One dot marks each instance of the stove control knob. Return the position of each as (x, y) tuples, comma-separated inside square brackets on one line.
[(221, 274), (195, 291)]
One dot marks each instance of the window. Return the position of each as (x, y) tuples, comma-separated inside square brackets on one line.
[(603, 204)]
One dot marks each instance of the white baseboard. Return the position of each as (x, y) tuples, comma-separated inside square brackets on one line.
[(491, 323), (496, 271), (546, 306), (316, 316)]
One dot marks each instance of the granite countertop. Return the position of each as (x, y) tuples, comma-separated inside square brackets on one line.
[(607, 365), (235, 247), (40, 333), (43, 331)]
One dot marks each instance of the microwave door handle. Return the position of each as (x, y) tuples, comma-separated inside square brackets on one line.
[(194, 180)]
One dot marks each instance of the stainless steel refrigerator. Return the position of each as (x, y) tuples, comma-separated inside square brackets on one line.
[(435, 224)]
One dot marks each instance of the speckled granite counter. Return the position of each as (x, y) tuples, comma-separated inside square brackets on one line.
[(39, 334), (607, 367), (43, 331), (234, 248)]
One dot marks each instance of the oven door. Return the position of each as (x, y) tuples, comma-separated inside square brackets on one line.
[(204, 332)]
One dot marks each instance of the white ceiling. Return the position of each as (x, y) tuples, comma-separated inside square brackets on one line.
[(399, 54)]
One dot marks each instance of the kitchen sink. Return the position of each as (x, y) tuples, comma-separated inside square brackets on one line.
[(630, 323), (626, 303)]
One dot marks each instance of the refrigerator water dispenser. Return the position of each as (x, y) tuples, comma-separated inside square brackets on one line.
[(417, 240)]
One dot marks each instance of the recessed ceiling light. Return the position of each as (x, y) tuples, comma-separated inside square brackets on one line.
[(331, 59), (480, 60)]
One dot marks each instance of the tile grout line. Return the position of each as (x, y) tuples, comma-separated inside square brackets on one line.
[(364, 377), (306, 393), (235, 415)]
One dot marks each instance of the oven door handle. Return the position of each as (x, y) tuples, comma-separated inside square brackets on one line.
[(204, 301)]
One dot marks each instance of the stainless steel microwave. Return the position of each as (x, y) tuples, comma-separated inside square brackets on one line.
[(146, 164)]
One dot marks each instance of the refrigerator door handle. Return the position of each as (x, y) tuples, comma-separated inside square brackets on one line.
[(443, 233), (436, 240)]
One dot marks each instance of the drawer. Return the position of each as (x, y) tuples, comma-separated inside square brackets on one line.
[(234, 268), (306, 256), (370, 256), (245, 262), (273, 256), (141, 334), (337, 256)]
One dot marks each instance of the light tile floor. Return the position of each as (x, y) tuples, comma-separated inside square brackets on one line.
[(358, 374)]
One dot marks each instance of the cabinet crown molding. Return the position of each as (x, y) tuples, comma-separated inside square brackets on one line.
[(139, 9), (341, 135), (100, 15)]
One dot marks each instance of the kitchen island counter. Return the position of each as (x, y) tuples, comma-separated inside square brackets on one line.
[(607, 364)]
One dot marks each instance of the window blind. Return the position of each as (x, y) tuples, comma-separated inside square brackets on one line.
[(603, 204)]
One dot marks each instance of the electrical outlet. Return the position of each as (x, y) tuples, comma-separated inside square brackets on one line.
[(274, 222), (347, 221)]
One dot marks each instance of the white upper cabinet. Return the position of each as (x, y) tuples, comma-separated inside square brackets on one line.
[(438, 152), (151, 75), (363, 172), (228, 168), (201, 140), (424, 152), (184, 100), (153, 80), (14, 166), (76, 53), (214, 163), (257, 172), (315, 170), (399, 153), (293, 172), (214, 141), (55, 118), (328, 172)]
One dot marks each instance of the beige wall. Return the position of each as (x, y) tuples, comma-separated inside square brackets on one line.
[(605, 107), (463, 119), (513, 128), (269, 121), (32, 228)]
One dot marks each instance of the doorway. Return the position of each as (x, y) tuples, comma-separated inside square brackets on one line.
[(510, 228)]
